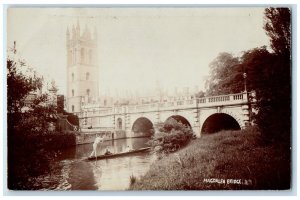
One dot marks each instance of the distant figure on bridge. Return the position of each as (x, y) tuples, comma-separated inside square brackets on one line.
[(98, 140)]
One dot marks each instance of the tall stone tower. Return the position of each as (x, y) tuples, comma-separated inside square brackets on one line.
[(82, 69)]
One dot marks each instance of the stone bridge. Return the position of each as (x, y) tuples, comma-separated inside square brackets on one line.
[(203, 115)]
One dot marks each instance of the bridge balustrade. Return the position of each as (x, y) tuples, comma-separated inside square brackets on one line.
[(201, 100), (170, 104), (131, 108), (161, 104), (177, 104), (142, 107), (104, 112), (190, 102), (96, 129), (237, 96), (119, 109), (219, 99)]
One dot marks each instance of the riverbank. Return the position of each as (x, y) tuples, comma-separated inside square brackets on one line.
[(221, 161), (30, 156)]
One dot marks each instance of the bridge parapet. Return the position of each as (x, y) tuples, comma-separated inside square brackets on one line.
[(221, 100)]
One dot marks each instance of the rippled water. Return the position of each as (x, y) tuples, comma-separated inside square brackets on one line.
[(74, 173)]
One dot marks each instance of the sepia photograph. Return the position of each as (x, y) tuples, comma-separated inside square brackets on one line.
[(157, 98)]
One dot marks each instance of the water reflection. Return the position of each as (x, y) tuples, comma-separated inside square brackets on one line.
[(114, 174), (108, 174)]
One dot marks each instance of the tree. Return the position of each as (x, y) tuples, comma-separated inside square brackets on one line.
[(200, 94), (256, 64), (19, 85), (27, 129), (275, 99), (278, 28), (268, 74), (225, 75), (37, 119)]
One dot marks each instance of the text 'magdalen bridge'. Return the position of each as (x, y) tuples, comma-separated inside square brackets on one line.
[(203, 115)]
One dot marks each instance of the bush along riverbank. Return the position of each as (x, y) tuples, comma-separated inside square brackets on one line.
[(30, 156), (221, 161)]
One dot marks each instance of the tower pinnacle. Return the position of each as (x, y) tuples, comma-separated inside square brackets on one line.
[(68, 34), (95, 34), (73, 32), (78, 28)]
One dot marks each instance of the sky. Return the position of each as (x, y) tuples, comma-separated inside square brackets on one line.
[(137, 47)]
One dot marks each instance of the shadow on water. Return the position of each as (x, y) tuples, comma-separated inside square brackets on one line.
[(72, 172)]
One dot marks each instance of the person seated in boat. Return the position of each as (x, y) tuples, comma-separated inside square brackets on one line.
[(98, 140), (107, 152), (128, 149)]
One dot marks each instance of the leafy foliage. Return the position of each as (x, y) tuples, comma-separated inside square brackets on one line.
[(223, 70), (31, 145), (200, 94), (19, 85), (274, 101), (37, 117), (172, 135), (268, 74), (278, 28)]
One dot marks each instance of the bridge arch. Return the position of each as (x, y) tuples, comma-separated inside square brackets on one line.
[(220, 121), (142, 127), (180, 119)]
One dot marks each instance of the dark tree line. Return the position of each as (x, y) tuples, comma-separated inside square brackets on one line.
[(31, 145), (268, 73), (20, 84)]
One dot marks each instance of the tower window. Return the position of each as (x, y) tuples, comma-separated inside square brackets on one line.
[(72, 76), (82, 55), (87, 76), (73, 108), (75, 58), (88, 92), (73, 93)]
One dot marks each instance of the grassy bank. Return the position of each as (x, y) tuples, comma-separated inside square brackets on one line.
[(224, 160)]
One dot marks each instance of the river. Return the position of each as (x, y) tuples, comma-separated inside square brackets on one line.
[(71, 172)]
